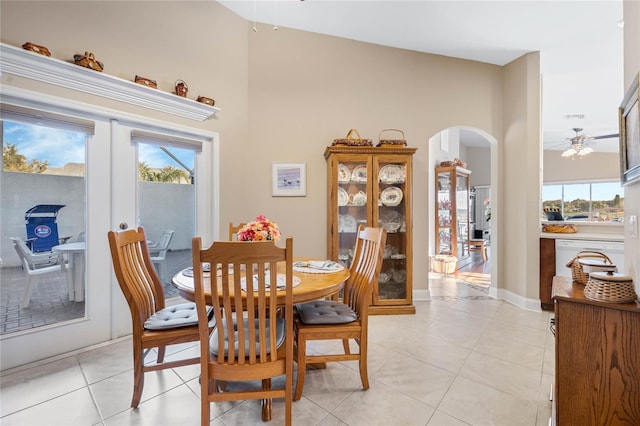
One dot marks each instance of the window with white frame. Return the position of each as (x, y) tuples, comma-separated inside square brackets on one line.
[(584, 201)]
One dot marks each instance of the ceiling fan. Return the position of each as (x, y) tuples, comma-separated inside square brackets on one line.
[(579, 145)]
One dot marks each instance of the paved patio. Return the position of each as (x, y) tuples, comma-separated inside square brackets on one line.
[(49, 301)]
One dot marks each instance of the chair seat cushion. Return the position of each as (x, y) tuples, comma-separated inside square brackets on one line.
[(325, 312), (280, 332), (182, 315)]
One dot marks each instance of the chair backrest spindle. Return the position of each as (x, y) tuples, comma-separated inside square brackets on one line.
[(364, 269), (137, 278)]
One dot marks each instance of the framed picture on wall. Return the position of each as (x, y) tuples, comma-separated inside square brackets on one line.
[(288, 179), (630, 136)]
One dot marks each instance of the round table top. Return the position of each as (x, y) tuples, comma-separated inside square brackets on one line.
[(313, 286), (71, 247)]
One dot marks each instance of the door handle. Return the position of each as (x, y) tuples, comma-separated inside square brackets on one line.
[(124, 225)]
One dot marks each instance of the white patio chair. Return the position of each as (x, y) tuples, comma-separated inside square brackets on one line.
[(158, 252), (35, 264)]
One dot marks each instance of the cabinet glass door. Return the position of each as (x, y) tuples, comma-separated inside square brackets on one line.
[(445, 216), (391, 214), (462, 215), (353, 205)]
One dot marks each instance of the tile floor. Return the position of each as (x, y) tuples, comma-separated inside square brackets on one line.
[(462, 359)]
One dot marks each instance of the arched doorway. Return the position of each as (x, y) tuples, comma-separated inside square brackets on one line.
[(478, 150)]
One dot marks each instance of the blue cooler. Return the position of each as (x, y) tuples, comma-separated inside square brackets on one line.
[(42, 229)]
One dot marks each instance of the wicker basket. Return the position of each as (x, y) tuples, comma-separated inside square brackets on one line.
[(88, 61), (146, 82), (577, 268), (36, 48), (456, 162), (610, 287), (565, 228), (205, 100), (391, 142), (444, 264), (353, 138)]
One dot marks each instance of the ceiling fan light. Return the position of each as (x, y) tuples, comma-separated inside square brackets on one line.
[(569, 152), (585, 151)]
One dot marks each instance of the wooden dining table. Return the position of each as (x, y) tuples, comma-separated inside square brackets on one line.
[(313, 285)]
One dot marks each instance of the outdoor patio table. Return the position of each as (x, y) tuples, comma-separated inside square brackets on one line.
[(74, 254)]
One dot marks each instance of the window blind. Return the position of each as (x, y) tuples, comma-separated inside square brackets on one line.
[(47, 119), (161, 139)]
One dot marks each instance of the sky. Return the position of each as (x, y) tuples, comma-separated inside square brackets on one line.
[(59, 147)]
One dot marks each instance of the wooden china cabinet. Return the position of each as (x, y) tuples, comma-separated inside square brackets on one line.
[(452, 213), (372, 186)]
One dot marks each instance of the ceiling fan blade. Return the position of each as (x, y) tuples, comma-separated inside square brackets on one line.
[(556, 144), (613, 135)]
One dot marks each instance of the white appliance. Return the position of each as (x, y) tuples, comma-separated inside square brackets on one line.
[(568, 249)]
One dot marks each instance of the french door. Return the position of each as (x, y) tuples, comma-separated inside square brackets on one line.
[(93, 326), (112, 202)]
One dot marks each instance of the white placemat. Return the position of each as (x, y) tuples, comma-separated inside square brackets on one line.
[(317, 266), (281, 281)]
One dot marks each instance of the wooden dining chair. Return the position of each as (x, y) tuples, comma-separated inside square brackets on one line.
[(346, 319), (253, 339), (233, 230), (153, 324)]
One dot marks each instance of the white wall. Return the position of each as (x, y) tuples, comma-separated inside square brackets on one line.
[(479, 162), (166, 206), (595, 166), (162, 206), (21, 191)]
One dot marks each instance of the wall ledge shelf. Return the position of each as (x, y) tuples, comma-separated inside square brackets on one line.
[(23, 63)]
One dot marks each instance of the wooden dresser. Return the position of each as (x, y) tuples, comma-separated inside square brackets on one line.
[(597, 355)]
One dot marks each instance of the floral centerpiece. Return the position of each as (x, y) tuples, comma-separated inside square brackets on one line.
[(262, 229)]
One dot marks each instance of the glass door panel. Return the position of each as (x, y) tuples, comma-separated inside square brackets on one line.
[(462, 215), (167, 173), (445, 215), (43, 166), (391, 178), (353, 205)]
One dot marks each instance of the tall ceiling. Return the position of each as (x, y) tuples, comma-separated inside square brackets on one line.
[(580, 44)]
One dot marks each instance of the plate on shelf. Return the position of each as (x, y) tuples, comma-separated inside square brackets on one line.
[(359, 174), (344, 174), (391, 220), (391, 196), (347, 223), (343, 197), (399, 275), (392, 173)]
